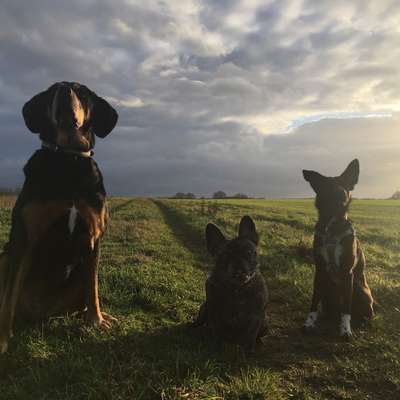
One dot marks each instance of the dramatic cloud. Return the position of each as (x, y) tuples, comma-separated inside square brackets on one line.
[(238, 95)]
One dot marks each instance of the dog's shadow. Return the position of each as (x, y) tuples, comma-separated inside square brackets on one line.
[(175, 342), (64, 353)]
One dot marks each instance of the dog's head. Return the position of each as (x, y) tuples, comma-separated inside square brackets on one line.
[(333, 193), (236, 259), (69, 115)]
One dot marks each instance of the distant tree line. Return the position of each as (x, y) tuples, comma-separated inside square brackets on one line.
[(181, 195), (220, 194)]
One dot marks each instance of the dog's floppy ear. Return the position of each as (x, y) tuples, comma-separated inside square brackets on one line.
[(315, 179), (214, 238), (35, 111), (104, 116), (247, 229), (349, 177)]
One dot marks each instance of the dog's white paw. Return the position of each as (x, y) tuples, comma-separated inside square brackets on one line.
[(309, 324), (3, 346), (345, 327)]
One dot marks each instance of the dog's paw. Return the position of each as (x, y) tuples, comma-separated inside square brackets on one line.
[(101, 320), (310, 323), (109, 318), (345, 327), (346, 337)]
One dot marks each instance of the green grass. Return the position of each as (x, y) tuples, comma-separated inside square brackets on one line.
[(153, 268)]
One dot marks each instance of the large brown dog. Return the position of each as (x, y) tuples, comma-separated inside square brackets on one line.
[(50, 264), (339, 281)]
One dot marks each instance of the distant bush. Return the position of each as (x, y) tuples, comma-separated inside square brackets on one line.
[(219, 195), (240, 196), (181, 195)]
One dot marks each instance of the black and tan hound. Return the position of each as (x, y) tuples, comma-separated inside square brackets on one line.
[(50, 264)]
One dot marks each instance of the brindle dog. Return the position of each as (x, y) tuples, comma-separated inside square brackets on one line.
[(339, 281), (50, 264), (236, 293)]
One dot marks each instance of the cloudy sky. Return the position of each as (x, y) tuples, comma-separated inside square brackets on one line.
[(238, 95)]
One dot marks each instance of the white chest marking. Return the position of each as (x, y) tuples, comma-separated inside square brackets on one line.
[(332, 254), (311, 319), (73, 214), (70, 267), (345, 327)]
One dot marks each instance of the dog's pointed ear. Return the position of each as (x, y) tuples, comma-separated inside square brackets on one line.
[(247, 229), (315, 179), (214, 238), (36, 111), (104, 116), (349, 177)]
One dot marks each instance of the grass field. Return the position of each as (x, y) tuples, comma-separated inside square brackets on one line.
[(153, 268)]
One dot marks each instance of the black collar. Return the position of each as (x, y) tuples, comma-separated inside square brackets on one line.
[(335, 228), (55, 148)]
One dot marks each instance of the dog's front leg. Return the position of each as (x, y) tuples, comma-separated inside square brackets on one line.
[(17, 270), (310, 323), (345, 326), (252, 334), (93, 314)]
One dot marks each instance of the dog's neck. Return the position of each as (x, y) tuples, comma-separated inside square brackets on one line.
[(55, 148), (220, 279)]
